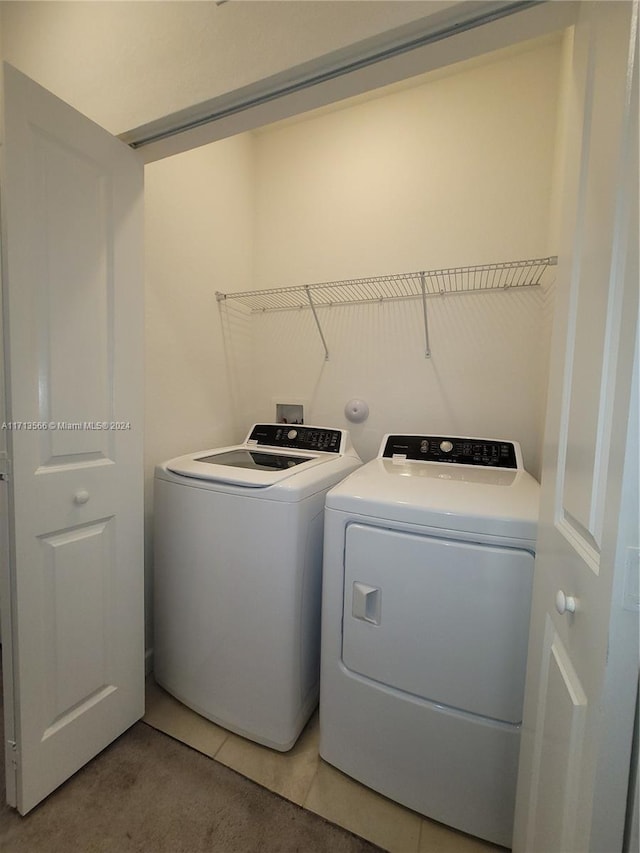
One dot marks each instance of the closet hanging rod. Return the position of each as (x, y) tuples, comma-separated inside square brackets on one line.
[(412, 285)]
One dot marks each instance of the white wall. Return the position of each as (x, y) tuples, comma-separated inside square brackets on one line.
[(199, 239), (458, 171)]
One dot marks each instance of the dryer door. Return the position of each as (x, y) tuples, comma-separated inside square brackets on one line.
[(441, 619)]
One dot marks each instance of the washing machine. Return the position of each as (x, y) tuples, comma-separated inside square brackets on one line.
[(238, 534), (428, 565)]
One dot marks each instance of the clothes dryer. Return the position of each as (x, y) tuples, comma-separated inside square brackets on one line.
[(428, 565), (237, 577)]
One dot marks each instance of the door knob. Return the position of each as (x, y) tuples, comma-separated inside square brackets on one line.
[(565, 603), (81, 496)]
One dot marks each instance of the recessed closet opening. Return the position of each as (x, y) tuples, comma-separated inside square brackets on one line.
[(455, 167)]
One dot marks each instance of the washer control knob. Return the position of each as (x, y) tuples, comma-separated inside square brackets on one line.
[(293, 433), (446, 446)]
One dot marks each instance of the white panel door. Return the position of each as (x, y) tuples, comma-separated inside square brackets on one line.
[(73, 302), (583, 665)]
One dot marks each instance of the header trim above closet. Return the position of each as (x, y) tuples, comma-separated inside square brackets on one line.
[(411, 285)]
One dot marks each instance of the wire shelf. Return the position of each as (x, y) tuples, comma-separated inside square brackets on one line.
[(411, 285), (483, 277)]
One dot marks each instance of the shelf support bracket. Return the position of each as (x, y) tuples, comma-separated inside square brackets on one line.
[(315, 317), (423, 287)]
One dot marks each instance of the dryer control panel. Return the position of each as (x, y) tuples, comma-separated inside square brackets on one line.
[(454, 450), (298, 437)]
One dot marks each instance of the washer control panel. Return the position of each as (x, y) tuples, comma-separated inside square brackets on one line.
[(297, 436), (454, 450)]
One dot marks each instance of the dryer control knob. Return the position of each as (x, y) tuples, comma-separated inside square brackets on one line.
[(292, 434), (446, 446)]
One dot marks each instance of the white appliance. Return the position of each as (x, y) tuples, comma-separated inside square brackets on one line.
[(428, 563), (238, 575)]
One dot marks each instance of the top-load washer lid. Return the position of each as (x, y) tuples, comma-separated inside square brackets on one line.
[(468, 485), (270, 454), (254, 460)]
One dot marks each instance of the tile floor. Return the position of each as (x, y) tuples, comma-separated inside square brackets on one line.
[(301, 776)]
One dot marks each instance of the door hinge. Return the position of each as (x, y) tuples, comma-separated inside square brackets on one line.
[(632, 580), (13, 752)]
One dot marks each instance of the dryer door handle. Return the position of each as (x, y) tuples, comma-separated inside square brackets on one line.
[(366, 603)]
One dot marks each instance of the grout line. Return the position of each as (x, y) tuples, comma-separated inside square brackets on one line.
[(225, 739), (313, 779)]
